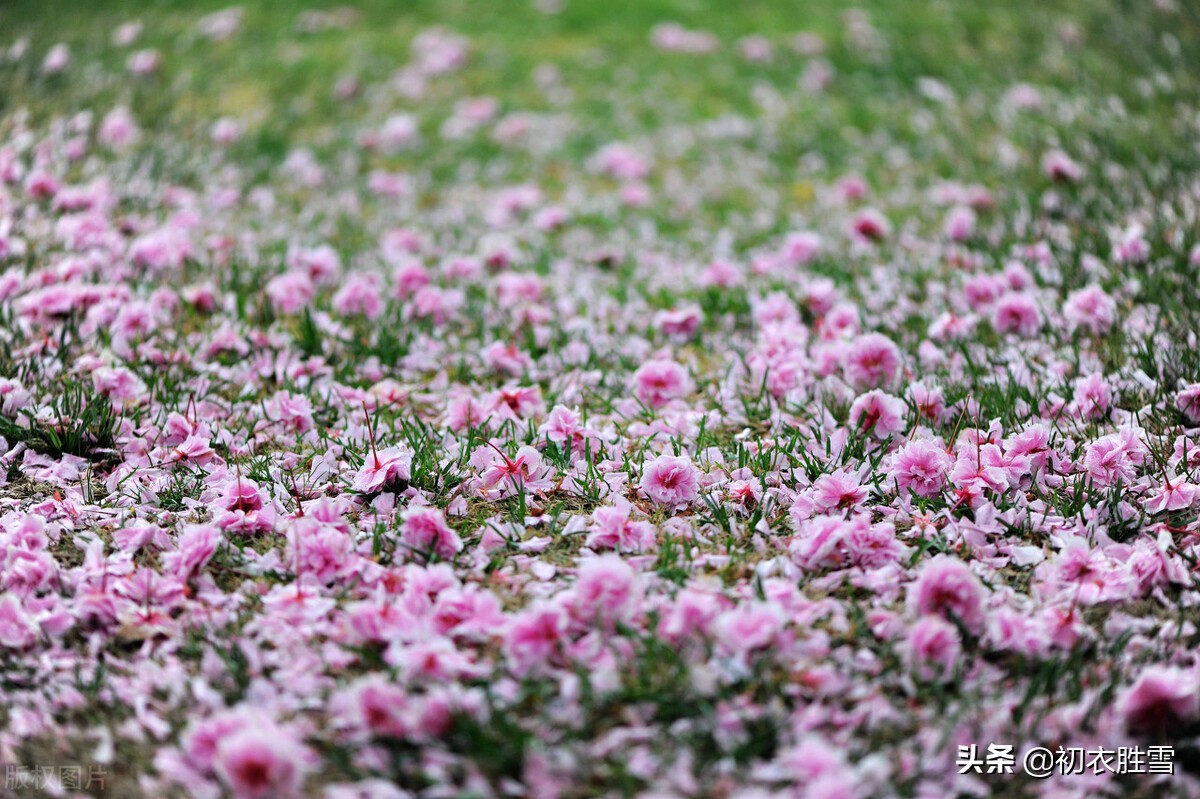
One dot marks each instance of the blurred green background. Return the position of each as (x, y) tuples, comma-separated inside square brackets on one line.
[(1119, 82), (282, 78)]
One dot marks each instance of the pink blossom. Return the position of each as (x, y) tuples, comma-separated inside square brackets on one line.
[(437, 51), (507, 476), (872, 361), (801, 247), (221, 25), (468, 614), (384, 470), (851, 187), (194, 548), (360, 296), (1023, 96), (416, 444), (1188, 402), (1153, 566), (424, 529), (242, 495), (118, 384), (1060, 167), (933, 649), (192, 450), (819, 543), (17, 628), (606, 589), (670, 480), (960, 223), (613, 529), (164, 249), (533, 637), (321, 265), (1162, 700), (243, 509), (1017, 314), (436, 660), (14, 397), (1032, 443), (749, 626), (870, 225), (838, 490), (672, 37), (259, 762), (118, 129), (408, 278), (840, 321), (1011, 630), (317, 551), (380, 707), (290, 293), (1174, 495), (1090, 309), (141, 536), (981, 291), (620, 161), (1185, 454), (27, 572), (744, 495), (294, 412), (981, 468), (399, 132), (465, 412), (920, 466), (659, 381), (1114, 458), (872, 546), (1093, 397), (202, 737), (507, 359), (946, 587), (551, 218), (225, 131), (1092, 576), (564, 427), (1131, 247), (755, 48), (814, 759), (680, 323), (144, 62), (58, 58), (878, 414), (691, 614), (516, 403)]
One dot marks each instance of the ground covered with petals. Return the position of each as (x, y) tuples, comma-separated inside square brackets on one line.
[(567, 399)]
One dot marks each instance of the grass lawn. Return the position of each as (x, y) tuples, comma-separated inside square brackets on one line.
[(566, 398)]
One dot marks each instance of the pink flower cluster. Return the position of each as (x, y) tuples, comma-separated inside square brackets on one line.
[(389, 469)]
